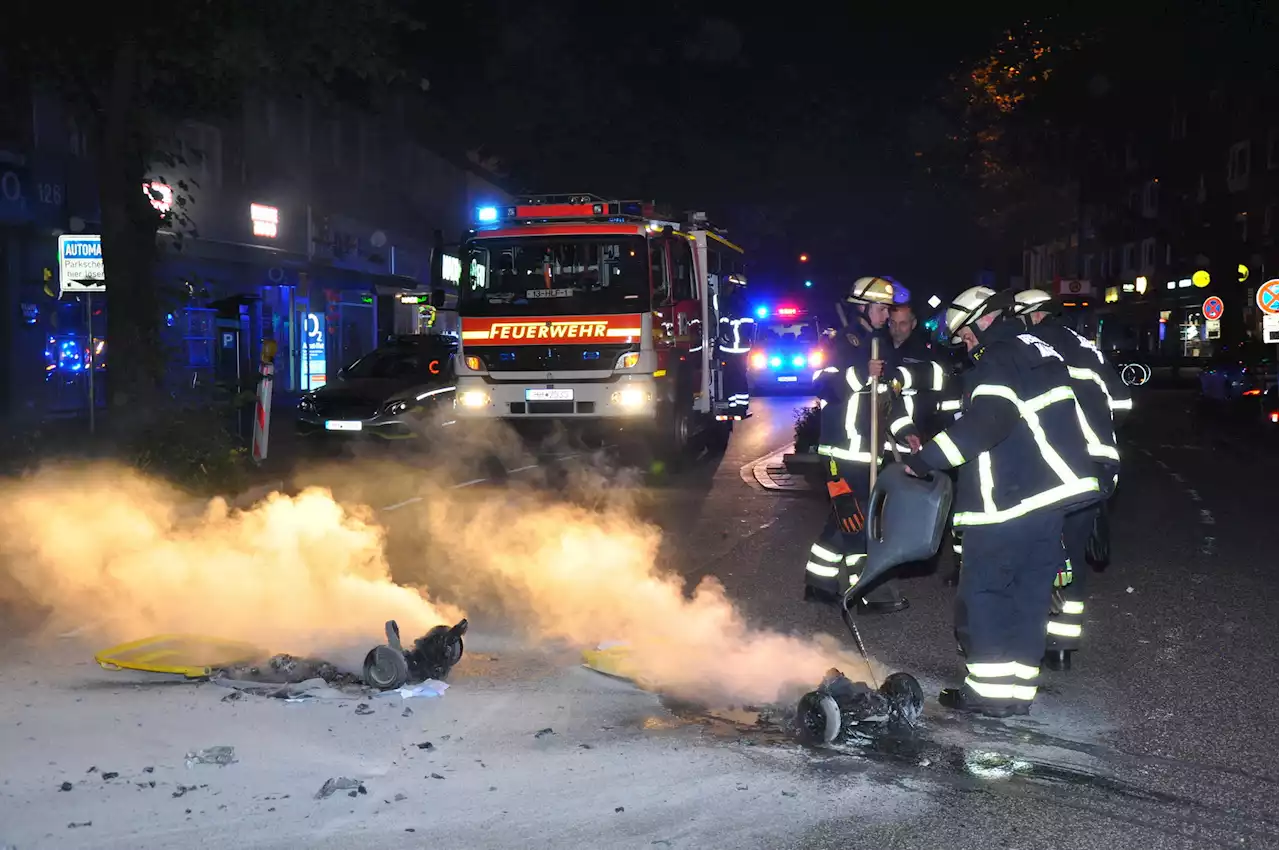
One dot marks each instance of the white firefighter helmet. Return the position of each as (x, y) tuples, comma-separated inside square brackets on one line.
[(871, 290), (1030, 301), (966, 308)]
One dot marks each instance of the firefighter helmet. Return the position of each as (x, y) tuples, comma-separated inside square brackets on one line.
[(967, 307), (1031, 301), (871, 290)]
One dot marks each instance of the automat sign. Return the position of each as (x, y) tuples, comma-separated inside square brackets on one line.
[(80, 266)]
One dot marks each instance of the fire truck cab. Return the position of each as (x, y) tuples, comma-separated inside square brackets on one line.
[(590, 311)]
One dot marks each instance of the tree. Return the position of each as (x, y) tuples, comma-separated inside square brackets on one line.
[(132, 72)]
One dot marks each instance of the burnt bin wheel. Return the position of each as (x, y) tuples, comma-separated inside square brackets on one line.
[(905, 695), (385, 668)]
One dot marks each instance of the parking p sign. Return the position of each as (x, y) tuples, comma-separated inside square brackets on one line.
[(80, 267)]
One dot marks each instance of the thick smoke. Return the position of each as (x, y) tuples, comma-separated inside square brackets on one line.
[(566, 559), (104, 547)]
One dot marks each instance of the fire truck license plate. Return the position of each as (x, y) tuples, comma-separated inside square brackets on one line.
[(548, 395)]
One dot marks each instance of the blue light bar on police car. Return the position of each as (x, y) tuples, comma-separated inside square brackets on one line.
[(486, 215)]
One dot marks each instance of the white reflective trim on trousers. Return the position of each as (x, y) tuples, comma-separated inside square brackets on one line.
[(824, 554), (1026, 506), (854, 560), (1072, 608), (1060, 629), (1122, 404), (990, 690), (949, 449), (949, 404), (1002, 670), (822, 570)]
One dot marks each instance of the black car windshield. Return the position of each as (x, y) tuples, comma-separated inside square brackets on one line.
[(403, 364), (561, 275)]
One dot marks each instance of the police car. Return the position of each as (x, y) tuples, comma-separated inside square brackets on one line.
[(789, 347)]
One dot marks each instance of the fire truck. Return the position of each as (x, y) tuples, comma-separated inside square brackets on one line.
[(613, 313)]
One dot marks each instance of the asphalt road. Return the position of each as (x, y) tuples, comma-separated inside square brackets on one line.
[(1163, 736), (1165, 733)]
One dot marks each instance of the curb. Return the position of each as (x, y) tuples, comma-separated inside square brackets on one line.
[(772, 473)]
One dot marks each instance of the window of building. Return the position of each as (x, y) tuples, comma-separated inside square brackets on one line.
[(1130, 258), (1151, 199), (1271, 150), (1202, 192), (1148, 255), (1238, 167), (1088, 266), (1132, 201), (1168, 254), (1242, 222), (1269, 222), (1178, 125), (1130, 157)]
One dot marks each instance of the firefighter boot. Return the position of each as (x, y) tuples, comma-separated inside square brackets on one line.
[(964, 700)]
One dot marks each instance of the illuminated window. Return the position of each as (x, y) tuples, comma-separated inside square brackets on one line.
[(1238, 167)]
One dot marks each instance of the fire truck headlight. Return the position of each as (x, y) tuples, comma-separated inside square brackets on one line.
[(628, 360), (632, 399), (474, 399), (474, 363)]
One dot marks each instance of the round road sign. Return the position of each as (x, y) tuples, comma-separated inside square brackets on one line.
[(1268, 297), (1212, 308)]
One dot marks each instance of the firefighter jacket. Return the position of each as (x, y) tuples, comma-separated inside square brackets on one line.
[(844, 394), (1019, 445), (1097, 385), (922, 378)]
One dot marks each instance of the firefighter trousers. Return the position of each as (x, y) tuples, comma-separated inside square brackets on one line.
[(837, 556), (1065, 628), (1002, 605)]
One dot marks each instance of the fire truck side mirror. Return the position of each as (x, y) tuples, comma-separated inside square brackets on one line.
[(437, 299)]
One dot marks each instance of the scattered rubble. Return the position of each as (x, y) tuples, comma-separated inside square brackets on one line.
[(66, 786), (426, 745), (363, 709), (221, 755), (74, 825), (543, 733), (106, 777), (341, 783)]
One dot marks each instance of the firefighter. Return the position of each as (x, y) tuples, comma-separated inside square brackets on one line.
[(844, 393), (921, 375), (1024, 463), (1104, 398)]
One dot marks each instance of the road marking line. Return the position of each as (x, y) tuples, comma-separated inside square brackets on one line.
[(522, 469), (410, 501), (471, 483)]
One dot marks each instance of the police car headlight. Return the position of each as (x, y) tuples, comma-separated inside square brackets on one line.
[(474, 399), (395, 407), (631, 398), (628, 360)]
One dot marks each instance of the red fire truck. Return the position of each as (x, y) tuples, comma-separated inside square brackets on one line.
[(598, 312)]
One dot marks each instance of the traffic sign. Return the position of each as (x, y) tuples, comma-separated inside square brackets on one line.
[(1268, 297), (1271, 328), (80, 267), (1212, 308)]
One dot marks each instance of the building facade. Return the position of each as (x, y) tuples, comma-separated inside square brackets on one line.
[(312, 227), (1171, 216)]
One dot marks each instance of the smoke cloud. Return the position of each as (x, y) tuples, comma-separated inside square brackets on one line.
[(576, 564)]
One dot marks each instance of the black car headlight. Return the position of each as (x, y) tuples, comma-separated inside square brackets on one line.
[(306, 404), (394, 408)]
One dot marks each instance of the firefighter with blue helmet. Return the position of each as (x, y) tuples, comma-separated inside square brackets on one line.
[(1024, 462), (844, 390), (1104, 399)]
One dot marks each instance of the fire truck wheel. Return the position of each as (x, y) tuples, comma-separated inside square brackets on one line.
[(675, 434)]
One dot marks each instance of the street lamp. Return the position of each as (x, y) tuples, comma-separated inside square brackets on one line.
[(808, 284), (804, 258)]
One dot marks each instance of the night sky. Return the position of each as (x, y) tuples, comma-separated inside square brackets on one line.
[(791, 129)]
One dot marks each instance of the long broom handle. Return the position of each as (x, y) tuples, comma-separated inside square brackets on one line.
[(874, 447)]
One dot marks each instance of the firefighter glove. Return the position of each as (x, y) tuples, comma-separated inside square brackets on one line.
[(845, 504)]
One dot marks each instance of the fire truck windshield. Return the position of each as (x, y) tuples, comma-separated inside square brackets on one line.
[(560, 275)]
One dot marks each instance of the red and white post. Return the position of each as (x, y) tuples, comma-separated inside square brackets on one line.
[(262, 409)]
